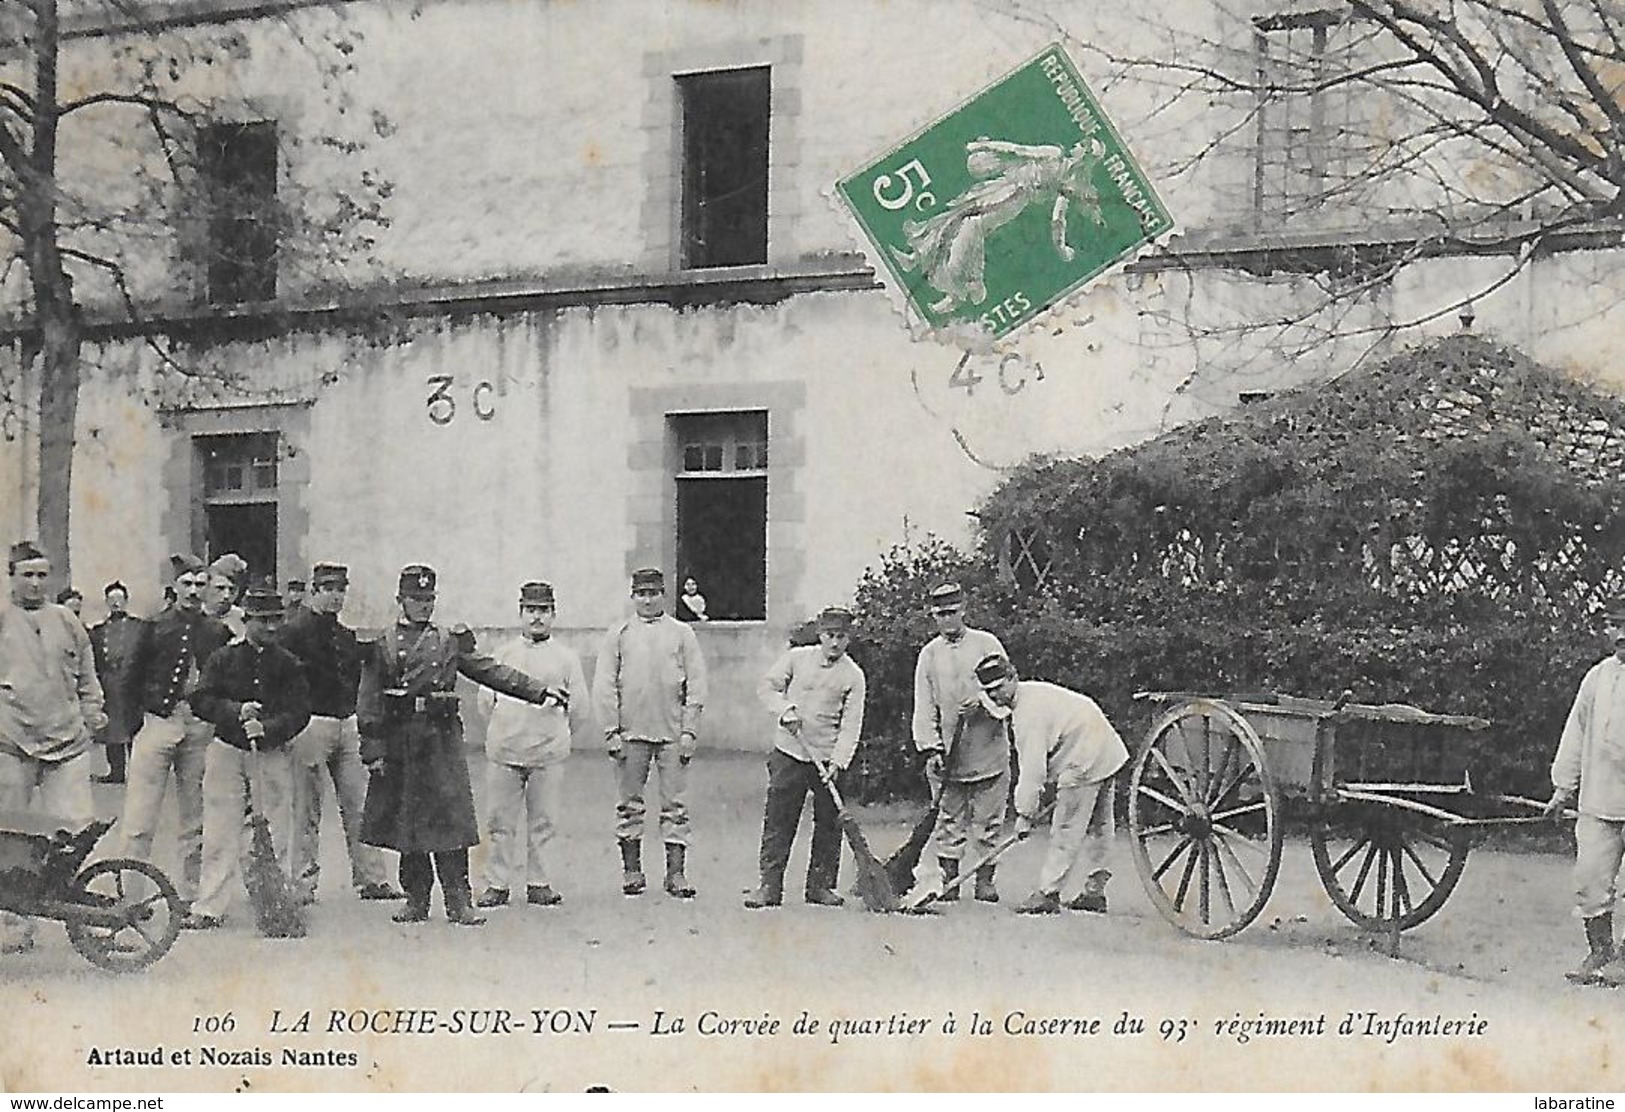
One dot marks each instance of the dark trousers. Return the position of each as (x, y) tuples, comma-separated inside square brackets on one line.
[(418, 871), (788, 782)]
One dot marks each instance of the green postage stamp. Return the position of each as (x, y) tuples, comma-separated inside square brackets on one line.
[(1009, 203)]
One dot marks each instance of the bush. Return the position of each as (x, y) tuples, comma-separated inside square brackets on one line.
[(892, 626), (1438, 532), (1516, 671)]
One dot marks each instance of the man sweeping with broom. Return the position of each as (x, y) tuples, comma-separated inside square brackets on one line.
[(254, 693), (816, 694)]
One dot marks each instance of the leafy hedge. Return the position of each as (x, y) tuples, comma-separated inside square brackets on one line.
[(1411, 534)]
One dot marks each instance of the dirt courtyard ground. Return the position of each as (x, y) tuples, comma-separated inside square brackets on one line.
[(653, 993)]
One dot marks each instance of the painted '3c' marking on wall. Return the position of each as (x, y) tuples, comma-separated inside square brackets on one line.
[(441, 404)]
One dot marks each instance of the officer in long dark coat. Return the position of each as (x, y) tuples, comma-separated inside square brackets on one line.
[(113, 644), (419, 802)]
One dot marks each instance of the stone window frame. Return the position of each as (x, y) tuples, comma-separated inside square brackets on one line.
[(183, 520), (662, 169), (653, 462)]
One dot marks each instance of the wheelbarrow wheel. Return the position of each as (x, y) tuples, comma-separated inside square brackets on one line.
[(148, 903), (1204, 819), (1387, 868)]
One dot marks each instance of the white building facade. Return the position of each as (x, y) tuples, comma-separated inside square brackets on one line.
[(617, 320)]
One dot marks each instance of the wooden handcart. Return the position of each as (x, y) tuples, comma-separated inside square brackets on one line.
[(1387, 792)]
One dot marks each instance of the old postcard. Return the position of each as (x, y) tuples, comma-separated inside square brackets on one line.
[(635, 424)]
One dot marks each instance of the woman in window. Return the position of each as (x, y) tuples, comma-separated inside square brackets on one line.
[(691, 604)]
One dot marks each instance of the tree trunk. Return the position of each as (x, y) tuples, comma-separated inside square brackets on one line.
[(60, 341), (55, 313)]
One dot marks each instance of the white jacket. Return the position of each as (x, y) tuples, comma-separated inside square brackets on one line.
[(526, 735)]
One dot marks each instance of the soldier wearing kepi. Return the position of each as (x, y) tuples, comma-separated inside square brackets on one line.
[(815, 693), (649, 688), (165, 666), (254, 692), (1589, 768), (973, 755), (331, 744), (1062, 738), (113, 643), (50, 707), (419, 802), (526, 747)]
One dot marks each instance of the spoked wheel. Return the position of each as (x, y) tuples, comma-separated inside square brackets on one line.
[(1387, 868), (1204, 819), (149, 907)]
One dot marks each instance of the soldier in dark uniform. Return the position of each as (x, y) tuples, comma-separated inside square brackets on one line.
[(165, 667), (298, 604), (254, 692), (419, 802), (330, 748), (112, 642)]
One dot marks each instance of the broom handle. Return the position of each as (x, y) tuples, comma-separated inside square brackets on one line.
[(823, 768), (996, 852), (253, 774), (828, 777)]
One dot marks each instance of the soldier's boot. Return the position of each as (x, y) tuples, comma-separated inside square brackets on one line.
[(677, 884), (460, 909), (985, 891), (950, 873), (632, 879), (769, 893), (1600, 944), (1093, 896), (415, 911)]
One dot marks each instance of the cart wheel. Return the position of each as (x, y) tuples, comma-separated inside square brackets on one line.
[(149, 902), (1387, 868), (1203, 819)]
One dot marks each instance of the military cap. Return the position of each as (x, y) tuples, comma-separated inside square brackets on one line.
[(837, 619), (945, 595), (329, 575), (114, 586), (536, 593), (182, 563), (645, 579), (993, 670), (417, 579), (296, 584), (66, 593), (25, 550), (261, 602)]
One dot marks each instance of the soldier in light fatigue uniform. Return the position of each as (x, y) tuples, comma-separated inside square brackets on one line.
[(1590, 765), (1061, 738), (649, 689), (973, 756), (815, 693), (50, 708), (525, 750)]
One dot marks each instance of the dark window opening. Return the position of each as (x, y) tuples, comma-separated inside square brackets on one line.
[(249, 530), (722, 510), (722, 543), (238, 507), (725, 165), (238, 162)]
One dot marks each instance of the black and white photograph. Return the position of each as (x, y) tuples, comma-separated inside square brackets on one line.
[(781, 546)]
